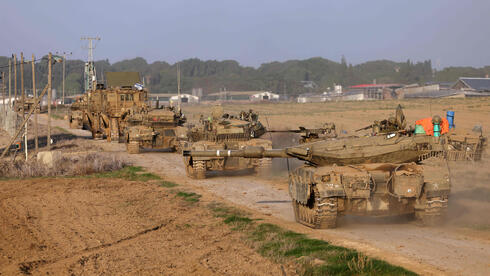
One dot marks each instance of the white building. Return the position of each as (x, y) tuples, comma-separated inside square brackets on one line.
[(172, 98), (264, 96), (184, 98)]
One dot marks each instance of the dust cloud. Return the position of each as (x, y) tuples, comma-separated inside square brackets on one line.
[(469, 202), (281, 140)]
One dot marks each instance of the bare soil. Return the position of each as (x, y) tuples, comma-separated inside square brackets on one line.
[(109, 226)]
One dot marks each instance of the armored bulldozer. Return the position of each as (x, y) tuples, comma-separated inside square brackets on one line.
[(309, 135), (109, 105), (222, 132), (381, 175), (160, 128)]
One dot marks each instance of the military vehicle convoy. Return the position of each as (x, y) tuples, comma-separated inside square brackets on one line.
[(380, 175), (222, 132), (119, 112), (160, 128)]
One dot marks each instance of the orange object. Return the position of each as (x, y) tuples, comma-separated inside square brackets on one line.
[(429, 128)]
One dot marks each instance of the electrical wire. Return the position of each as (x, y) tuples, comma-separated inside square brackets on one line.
[(19, 63)]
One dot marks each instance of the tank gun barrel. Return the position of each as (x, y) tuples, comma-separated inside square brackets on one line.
[(248, 152), (286, 131)]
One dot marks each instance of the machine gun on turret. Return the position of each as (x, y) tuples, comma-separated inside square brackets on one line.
[(395, 123), (312, 134)]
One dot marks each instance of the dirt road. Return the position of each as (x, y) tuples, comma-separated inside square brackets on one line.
[(440, 250)]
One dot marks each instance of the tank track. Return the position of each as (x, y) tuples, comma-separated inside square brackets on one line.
[(263, 166), (433, 213), (318, 213), (133, 147), (199, 168), (75, 125)]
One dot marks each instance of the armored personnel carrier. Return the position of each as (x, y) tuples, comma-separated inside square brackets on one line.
[(160, 128), (380, 175), (223, 132)]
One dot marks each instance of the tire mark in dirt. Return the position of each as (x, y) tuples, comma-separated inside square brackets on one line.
[(27, 267)]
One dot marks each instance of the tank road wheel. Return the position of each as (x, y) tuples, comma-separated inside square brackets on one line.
[(199, 168), (133, 147), (74, 124), (263, 166), (189, 170), (434, 212), (317, 213)]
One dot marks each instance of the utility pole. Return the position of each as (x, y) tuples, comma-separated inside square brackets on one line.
[(90, 75), (91, 46), (64, 66), (178, 86), (10, 82), (15, 78), (3, 90), (50, 56), (22, 84), (64, 62), (36, 139)]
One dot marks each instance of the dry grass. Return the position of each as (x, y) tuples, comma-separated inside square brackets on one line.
[(66, 166)]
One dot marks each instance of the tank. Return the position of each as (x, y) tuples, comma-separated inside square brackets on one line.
[(382, 175), (309, 135), (76, 114), (28, 105), (221, 132), (160, 128)]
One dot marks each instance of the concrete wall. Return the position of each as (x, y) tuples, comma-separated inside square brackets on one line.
[(9, 120)]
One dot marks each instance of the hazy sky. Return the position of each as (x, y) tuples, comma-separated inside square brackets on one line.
[(450, 32)]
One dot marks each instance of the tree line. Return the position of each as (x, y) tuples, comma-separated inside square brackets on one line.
[(280, 77)]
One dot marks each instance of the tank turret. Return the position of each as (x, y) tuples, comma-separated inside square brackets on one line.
[(309, 135)]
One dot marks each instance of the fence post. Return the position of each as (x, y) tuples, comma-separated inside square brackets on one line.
[(15, 78)]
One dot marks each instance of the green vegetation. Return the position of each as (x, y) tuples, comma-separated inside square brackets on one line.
[(57, 117), (127, 173), (315, 257), (189, 197), (62, 130), (281, 77), (167, 184)]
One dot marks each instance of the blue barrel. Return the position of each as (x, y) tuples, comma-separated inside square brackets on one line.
[(450, 118)]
